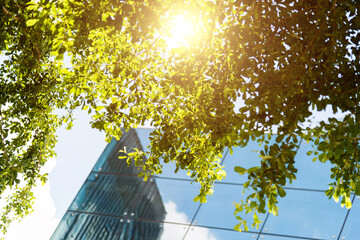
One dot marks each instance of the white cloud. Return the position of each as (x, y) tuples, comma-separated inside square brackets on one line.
[(200, 233), (176, 231), (41, 223)]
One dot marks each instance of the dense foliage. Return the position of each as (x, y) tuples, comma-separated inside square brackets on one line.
[(250, 69)]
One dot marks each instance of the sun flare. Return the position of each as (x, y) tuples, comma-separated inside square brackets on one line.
[(181, 29)]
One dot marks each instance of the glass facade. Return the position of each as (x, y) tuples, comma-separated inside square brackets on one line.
[(114, 203)]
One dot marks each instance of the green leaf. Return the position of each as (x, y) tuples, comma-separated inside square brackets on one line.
[(322, 157), (281, 192), (323, 146), (267, 157), (99, 108), (252, 169), (357, 188), (31, 22), (279, 138), (240, 170), (348, 203), (32, 7), (275, 210)]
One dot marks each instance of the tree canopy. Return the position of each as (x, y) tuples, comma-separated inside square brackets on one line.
[(250, 69)]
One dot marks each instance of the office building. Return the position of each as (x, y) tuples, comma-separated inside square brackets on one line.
[(116, 204)]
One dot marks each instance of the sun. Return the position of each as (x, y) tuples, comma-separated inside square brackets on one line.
[(180, 32)]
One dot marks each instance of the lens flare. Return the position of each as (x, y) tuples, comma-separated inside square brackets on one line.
[(180, 32)]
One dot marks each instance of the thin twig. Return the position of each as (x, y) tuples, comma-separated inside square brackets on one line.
[(10, 13), (38, 52), (2, 135)]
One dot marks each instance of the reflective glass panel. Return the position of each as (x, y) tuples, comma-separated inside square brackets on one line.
[(90, 227), (168, 171), (244, 157), (105, 155), (144, 134), (176, 196), (280, 237), (87, 226), (204, 233), (218, 211), (310, 175), (171, 231), (307, 214), (108, 194), (352, 225)]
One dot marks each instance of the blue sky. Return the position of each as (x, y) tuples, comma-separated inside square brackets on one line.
[(77, 151)]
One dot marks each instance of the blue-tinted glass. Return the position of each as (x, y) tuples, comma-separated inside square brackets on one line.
[(109, 160), (150, 204), (168, 171), (245, 157), (177, 197), (352, 225), (108, 194), (105, 154), (145, 230), (203, 233), (144, 134), (87, 227), (307, 214), (93, 227), (63, 226), (169, 231), (218, 211), (280, 237), (312, 175)]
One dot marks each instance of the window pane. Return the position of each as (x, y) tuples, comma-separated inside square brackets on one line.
[(310, 175), (280, 237), (111, 194), (307, 214), (92, 227), (218, 211), (351, 229), (244, 157), (171, 231), (203, 233), (177, 197)]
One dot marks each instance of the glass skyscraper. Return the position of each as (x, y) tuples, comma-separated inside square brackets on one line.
[(114, 203), (112, 199)]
